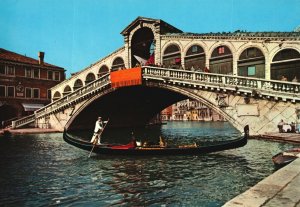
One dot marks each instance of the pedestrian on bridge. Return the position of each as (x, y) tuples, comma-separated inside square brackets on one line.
[(280, 126), (97, 131)]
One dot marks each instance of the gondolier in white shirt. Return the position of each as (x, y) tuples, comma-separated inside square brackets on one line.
[(97, 131)]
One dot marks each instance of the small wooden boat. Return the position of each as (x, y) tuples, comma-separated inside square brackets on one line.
[(283, 158), (132, 149)]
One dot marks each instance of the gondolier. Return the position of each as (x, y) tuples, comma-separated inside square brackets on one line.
[(97, 131)]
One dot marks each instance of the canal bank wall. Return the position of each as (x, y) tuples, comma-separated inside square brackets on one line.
[(281, 189)]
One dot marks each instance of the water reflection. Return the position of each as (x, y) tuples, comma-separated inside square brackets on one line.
[(43, 170)]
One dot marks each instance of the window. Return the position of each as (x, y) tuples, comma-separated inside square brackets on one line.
[(2, 91), (56, 76), (194, 48), (2, 69), (28, 72), (28, 92), (10, 70), (50, 75), (10, 91), (48, 94), (251, 71), (36, 73), (36, 93), (221, 50)]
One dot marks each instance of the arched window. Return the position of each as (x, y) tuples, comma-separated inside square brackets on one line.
[(117, 64), (78, 84), (56, 96), (89, 78), (251, 63), (286, 63), (67, 90), (103, 70), (172, 57), (195, 58), (142, 47), (221, 60)]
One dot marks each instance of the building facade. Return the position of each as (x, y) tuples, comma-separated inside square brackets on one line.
[(190, 110), (25, 84)]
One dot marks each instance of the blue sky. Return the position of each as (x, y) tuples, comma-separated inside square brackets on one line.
[(76, 33)]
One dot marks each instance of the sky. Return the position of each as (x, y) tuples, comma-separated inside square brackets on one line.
[(77, 33)]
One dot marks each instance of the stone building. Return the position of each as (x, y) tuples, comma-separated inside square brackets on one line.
[(190, 110), (25, 83)]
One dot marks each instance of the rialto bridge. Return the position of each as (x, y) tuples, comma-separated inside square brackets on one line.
[(249, 78)]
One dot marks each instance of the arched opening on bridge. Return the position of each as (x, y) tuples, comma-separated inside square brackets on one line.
[(286, 63), (126, 107), (67, 90), (142, 46), (172, 57), (102, 70), (221, 60), (78, 84), (118, 64), (251, 63), (89, 78), (56, 96), (195, 58)]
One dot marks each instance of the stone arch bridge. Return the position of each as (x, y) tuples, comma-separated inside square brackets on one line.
[(131, 97)]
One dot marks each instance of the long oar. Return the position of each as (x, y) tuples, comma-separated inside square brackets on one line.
[(98, 138)]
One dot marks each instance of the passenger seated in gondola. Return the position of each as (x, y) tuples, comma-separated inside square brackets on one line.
[(162, 142), (133, 141)]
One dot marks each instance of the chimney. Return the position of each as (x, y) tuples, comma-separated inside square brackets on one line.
[(41, 58)]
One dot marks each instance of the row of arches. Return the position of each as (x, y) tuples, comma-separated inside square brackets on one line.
[(117, 64), (251, 62)]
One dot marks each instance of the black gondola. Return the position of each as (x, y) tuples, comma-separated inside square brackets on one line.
[(131, 149)]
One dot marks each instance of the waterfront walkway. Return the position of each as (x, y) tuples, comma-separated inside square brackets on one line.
[(281, 189), (280, 137), (28, 131)]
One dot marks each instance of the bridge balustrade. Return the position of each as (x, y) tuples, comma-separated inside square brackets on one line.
[(289, 90)]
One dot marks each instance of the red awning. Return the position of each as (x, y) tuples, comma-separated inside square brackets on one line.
[(127, 77)]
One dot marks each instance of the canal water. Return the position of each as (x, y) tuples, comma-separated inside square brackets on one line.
[(43, 170)]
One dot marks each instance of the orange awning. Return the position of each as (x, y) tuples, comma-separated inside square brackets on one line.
[(126, 77)]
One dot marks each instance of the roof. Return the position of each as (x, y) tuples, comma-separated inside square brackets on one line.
[(164, 26), (7, 55)]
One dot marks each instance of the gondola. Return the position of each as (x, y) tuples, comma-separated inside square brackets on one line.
[(283, 158), (132, 149)]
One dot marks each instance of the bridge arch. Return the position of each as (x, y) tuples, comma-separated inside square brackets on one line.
[(103, 70), (158, 93), (195, 57), (171, 56), (286, 62), (89, 78), (118, 63), (67, 90), (221, 59), (77, 84), (251, 63), (142, 42), (56, 96)]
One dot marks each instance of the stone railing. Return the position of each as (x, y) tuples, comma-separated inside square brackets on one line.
[(261, 87), (66, 101)]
